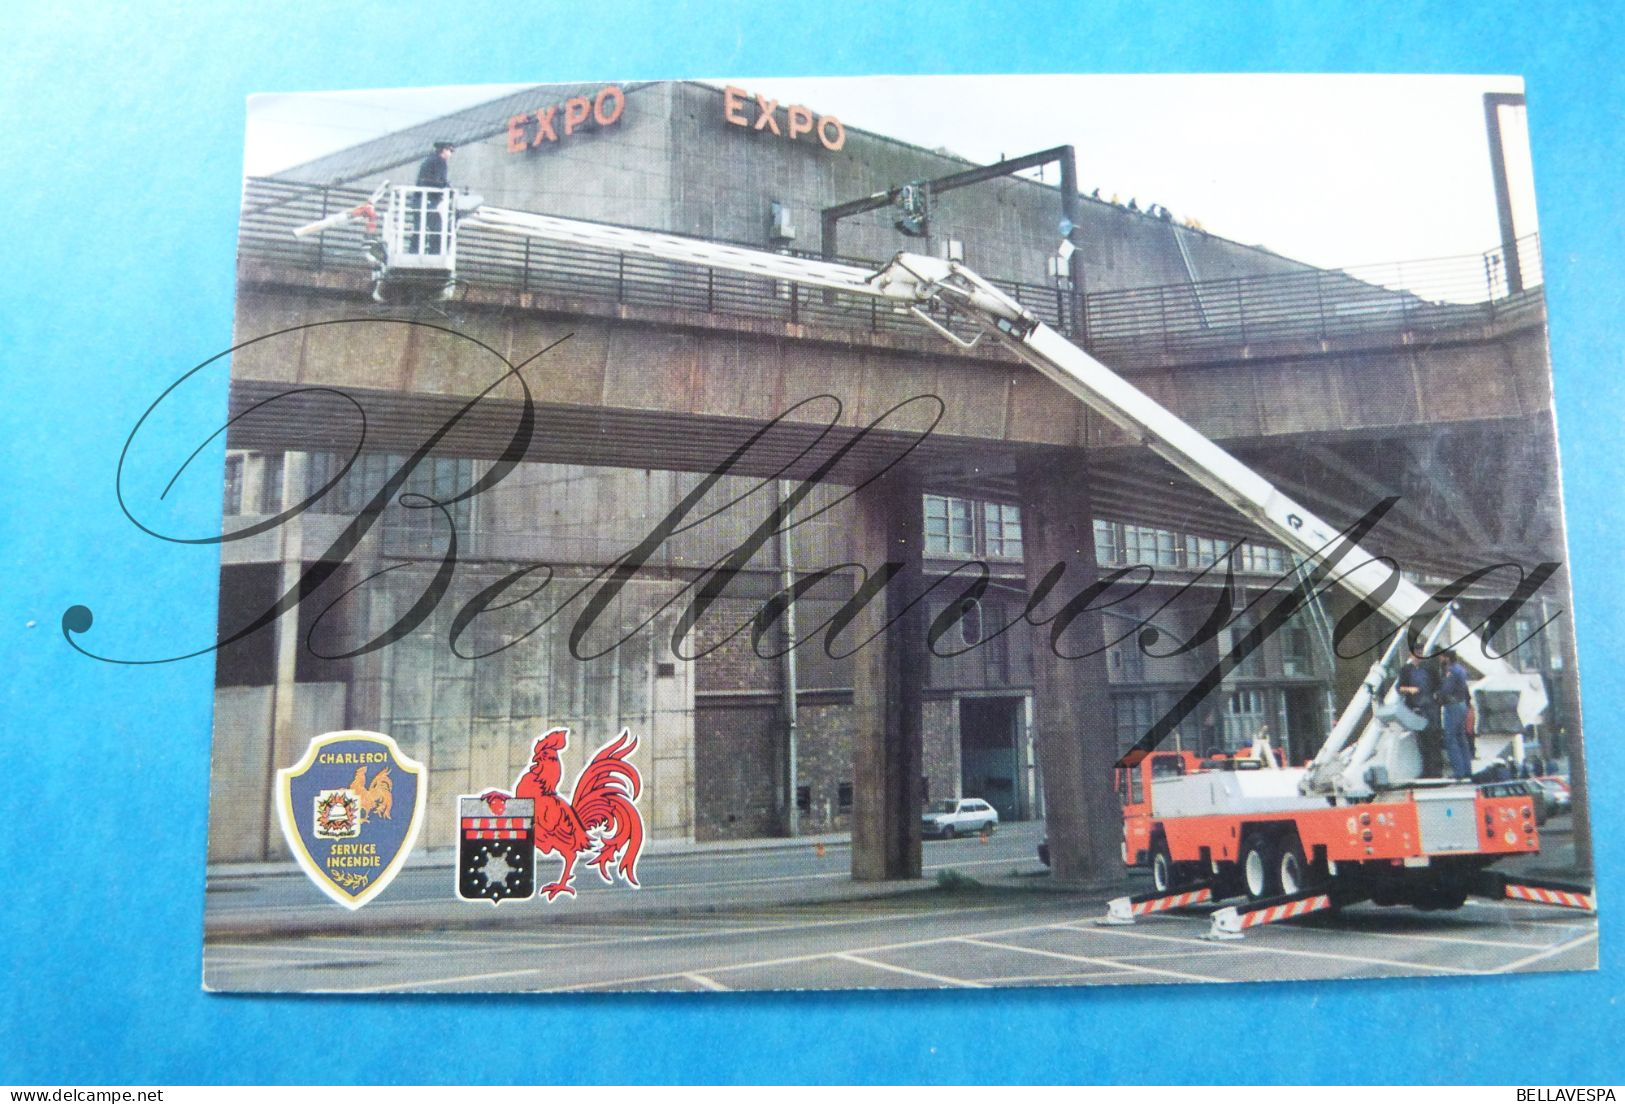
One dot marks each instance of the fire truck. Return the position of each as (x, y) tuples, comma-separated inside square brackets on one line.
[(1359, 819)]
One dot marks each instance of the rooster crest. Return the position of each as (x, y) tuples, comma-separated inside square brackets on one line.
[(377, 796), (599, 812)]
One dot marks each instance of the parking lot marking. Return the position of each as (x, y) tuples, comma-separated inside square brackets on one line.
[(708, 983), (1529, 960), (1026, 979), (941, 979), (1430, 938), (1194, 952), (1088, 960), (421, 983), (794, 960), (1363, 960)]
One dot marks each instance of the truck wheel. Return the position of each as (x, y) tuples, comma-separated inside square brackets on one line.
[(1292, 871), (1442, 899), (948, 832), (1163, 878), (1258, 867)]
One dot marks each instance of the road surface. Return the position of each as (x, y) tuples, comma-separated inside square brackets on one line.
[(744, 920)]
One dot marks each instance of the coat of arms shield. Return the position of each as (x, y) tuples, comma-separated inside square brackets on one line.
[(350, 811)]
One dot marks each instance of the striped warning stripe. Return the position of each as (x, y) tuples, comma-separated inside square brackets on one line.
[(1285, 912), (496, 827), (1173, 901), (1559, 897)]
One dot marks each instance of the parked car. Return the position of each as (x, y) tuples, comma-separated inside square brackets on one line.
[(959, 816), (1559, 801)]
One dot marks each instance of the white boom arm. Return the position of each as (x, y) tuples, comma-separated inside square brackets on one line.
[(917, 280)]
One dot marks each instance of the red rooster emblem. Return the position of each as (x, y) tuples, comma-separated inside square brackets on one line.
[(598, 813)]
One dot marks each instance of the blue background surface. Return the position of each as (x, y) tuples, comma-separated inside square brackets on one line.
[(119, 210)]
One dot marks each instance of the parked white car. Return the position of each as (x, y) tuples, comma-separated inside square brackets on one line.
[(959, 817)]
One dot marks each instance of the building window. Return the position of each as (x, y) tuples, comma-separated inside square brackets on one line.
[(366, 477), (1108, 542), (234, 485), (1127, 660), (1243, 718), (271, 487), (970, 622), (1296, 660), (804, 799), (1003, 528), (1204, 551), (1252, 666), (843, 797), (1262, 559), (1527, 657), (1145, 545), (1133, 715), (422, 530), (949, 526)]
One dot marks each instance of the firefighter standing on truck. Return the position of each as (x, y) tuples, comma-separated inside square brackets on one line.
[(1419, 686)]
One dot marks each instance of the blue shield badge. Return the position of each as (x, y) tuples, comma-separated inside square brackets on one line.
[(350, 811)]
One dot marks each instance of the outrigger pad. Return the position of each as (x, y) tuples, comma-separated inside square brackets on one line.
[(1536, 891), (1123, 910), (1232, 922)]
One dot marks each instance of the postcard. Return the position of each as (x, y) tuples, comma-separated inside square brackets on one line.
[(891, 532)]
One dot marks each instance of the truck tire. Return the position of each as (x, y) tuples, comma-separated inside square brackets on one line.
[(1164, 878), (1258, 866), (1440, 899), (1292, 871)]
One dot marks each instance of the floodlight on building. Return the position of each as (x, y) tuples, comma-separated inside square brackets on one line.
[(913, 209)]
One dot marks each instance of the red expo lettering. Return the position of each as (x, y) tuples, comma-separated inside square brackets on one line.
[(798, 120), (531, 129)]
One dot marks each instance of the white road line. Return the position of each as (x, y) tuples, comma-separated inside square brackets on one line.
[(394, 944), (1589, 937), (252, 963), (272, 948), (1530, 912), (425, 983), (1435, 938), (1292, 952), (940, 979), (1192, 953), (1023, 979), (708, 983), (1091, 961)]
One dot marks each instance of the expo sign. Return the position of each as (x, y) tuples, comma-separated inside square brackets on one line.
[(798, 120), (545, 124)]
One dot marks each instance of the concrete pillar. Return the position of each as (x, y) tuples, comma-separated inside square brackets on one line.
[(284, 746), (888, 677), (1075, 729)]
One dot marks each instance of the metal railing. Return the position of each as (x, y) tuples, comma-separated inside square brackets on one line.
[(1315, 304), (1162, 320)]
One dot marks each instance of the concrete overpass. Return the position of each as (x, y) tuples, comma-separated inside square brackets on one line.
[(1372, 392)]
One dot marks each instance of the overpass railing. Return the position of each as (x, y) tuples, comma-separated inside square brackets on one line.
[(1167, 319)]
